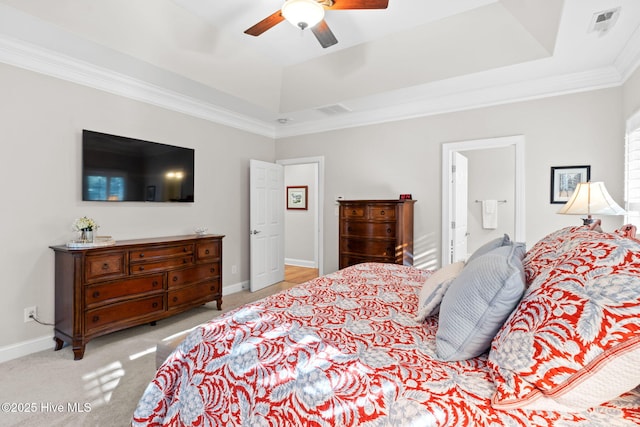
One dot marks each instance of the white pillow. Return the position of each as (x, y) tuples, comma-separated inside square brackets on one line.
[(434, 288)]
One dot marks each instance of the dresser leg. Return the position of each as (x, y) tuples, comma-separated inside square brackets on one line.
[(219, 304), (59, 343), (78, 352)]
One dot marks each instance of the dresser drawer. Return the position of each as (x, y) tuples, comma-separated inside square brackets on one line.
[(208, 250), (378, 229), (353, 212), (155, 252), (198, 293), (159, 265), (382, 212), (99, 293), (185, 276), (375, 248), (122, 312), (102, 266)]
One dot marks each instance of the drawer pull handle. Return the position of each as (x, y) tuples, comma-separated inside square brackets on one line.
[(95, 318), (349, 228), (141, 255), (212, 270), (155, 283), (175, 299), (141, 268), (388, 231), (381, 212), (105, 266), (353, 212), (212, 288), (206, 251), (184, 261), (96, 294), (154, 305), (175, 278), (184, 249)]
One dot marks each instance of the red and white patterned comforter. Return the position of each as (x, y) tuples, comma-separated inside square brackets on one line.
[(341, 350)]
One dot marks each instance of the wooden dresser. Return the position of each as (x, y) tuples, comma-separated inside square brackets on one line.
[(376, 231), (106, 289)]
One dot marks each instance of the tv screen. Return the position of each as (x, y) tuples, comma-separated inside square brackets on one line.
[(121, 169)]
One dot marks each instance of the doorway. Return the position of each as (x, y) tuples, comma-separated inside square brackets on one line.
[(304, 229), (450, 152)]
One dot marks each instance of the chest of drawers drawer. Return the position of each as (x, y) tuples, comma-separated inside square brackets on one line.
[(208, 250), (104, 265), (105, 292), (375, 248), (122, 312), (159, 264), (154, 252), (358, 228), (195, 274), (203, 292)]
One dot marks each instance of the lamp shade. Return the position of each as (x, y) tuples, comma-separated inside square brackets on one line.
[(591, 198), (303, 13)]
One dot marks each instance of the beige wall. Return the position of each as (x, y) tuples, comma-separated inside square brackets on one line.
[(40, 168), (404, 157)]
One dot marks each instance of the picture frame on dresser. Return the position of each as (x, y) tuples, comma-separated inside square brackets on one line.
[(297, 197)]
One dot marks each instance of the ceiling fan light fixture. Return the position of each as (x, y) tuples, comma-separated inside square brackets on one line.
[(303, 13)]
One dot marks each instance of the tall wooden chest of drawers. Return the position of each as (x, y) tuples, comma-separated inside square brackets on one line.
[(105, 289), (376, 231)]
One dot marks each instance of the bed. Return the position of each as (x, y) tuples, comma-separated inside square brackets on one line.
[(390, 345)]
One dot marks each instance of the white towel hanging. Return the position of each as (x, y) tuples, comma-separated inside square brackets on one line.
[(489, 214)]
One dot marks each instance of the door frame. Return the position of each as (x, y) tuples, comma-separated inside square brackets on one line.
[(319, 217), (448, 149)]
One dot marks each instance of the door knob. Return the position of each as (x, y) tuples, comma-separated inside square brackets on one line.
[(254, 231)]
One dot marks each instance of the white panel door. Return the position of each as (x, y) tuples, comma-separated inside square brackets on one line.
[(460, 207), (266, 221)]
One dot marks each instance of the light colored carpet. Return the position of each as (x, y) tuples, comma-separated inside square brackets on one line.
[(104, 387)]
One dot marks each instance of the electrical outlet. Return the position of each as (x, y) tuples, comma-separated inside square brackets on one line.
[(234, 269), (30, 311)]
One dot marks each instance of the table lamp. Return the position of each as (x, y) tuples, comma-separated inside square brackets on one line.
[(591, 198)]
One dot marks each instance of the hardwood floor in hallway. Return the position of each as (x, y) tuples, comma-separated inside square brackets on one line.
[(294, 274)]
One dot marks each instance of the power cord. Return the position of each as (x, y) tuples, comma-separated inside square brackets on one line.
[(31, 316)]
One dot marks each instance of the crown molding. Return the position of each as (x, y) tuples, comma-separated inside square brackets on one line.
[(40, 60), (438, 98)]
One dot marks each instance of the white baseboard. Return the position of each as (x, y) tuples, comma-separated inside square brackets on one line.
[(300, 262), (236, 287), (24, 348)]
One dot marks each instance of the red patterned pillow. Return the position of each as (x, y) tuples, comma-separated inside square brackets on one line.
[(574, 340)]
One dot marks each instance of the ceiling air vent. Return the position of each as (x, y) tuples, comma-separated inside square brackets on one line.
[(332, 110), (604, 21)]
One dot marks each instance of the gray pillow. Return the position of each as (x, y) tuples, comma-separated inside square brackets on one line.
[(479, 301), (489, 246)]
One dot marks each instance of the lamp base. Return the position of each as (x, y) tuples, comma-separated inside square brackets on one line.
[(588, 221)]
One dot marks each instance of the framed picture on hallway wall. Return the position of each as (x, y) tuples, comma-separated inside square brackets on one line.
[(297, 197), (565, 179)]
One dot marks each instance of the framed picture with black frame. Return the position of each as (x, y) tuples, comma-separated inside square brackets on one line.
[(565, 179)]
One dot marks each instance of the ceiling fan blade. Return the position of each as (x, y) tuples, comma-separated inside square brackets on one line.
[(324, 34), (358, 4), (267, 23)]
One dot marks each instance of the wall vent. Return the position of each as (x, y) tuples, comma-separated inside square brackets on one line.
[(604, 21), (332, 110)]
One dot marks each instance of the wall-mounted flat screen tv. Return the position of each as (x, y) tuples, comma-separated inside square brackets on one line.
[(121, 169)]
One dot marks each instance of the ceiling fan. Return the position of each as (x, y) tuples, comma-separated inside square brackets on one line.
[(310, 14)]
